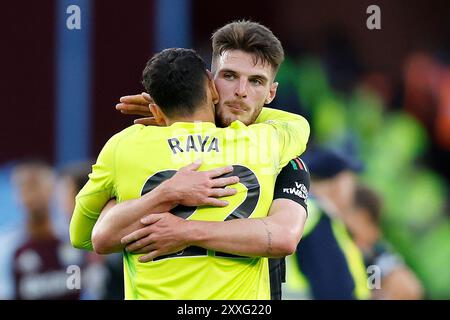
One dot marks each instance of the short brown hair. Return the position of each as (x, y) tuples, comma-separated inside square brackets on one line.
[(367, 198), (250, 37)]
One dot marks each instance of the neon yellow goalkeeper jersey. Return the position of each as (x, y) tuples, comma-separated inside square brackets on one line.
[(138, 158)]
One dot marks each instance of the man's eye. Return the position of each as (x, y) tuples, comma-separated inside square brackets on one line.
[(228, 76), (256, 82)]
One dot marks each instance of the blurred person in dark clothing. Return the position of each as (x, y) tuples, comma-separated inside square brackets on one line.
[(103, 276), (398, 282), (327, 258), (40, 263)]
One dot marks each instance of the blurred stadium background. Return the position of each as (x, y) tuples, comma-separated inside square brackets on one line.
[(382, 95)]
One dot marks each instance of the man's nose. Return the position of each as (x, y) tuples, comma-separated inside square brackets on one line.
[(241, 90)]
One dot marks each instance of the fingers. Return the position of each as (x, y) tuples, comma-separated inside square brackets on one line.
[(137, 109), (193, 166), (222, 192), (143, 249), (136, 235), (150, 256), (134, 99), (223, 182), (151, 218), (149, 121), (219, 171), (147, 97), (213, 202), (139, 245)]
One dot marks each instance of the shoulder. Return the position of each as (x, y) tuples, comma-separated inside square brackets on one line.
[(129, 131), (125, 134), (296, 167)]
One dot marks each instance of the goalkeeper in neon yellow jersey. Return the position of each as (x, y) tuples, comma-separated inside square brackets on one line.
[(137, 159)]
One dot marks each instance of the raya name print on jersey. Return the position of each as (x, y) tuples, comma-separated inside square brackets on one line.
[(195, 143)]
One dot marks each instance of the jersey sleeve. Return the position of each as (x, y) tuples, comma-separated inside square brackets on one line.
[(93, 196), (292, 132), (293, 183)]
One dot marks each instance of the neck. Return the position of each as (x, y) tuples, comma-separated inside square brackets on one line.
[(204, 114), (39, 226)]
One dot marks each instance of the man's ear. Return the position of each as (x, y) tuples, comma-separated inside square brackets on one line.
[(159, 116), (212, 87), (272, 93)]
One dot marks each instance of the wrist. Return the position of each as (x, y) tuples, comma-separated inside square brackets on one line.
[(169, 194), (195, 232), (160, 199)]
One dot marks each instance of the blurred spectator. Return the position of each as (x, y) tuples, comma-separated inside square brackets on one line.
[(40, 264), (396, 151), (11, 231), (398, 282), (72, 178), (102, 276), (421, 77), (331, 264), (427, 87)]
